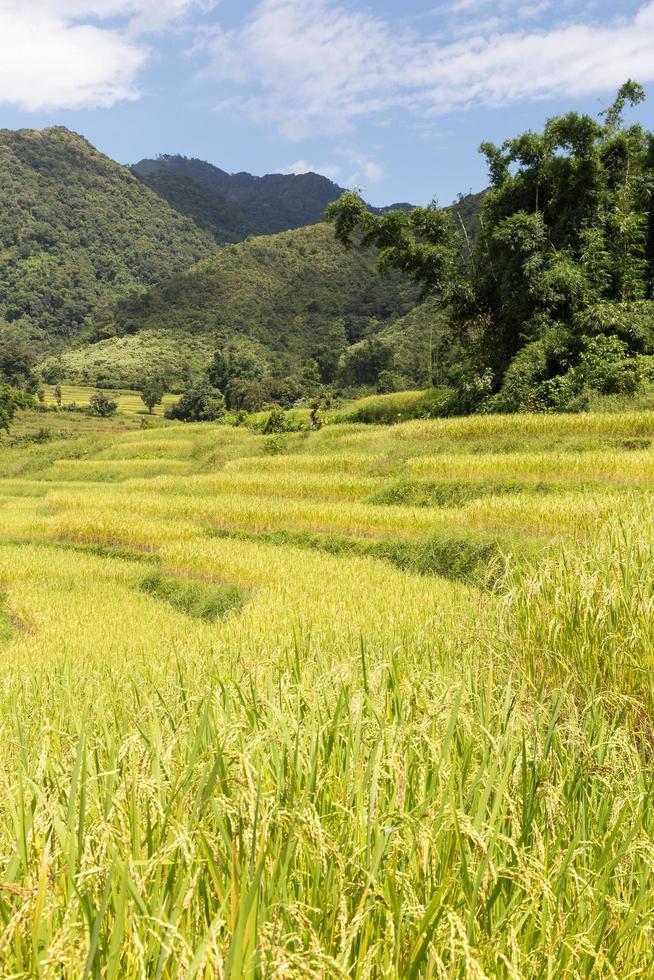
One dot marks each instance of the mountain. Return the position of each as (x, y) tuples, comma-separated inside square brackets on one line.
[(77, 232), (283, 298), (117, 272), (234, 206)]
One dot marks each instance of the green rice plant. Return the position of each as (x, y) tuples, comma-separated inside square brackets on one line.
[(6, 628), (584, 617), (465, 557), (256, 725), (393, 408), (202, 600), (425, 493)]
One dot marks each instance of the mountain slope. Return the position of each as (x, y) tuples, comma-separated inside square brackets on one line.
[(238, 205), (76, 232), (284, 298), (234, 206)]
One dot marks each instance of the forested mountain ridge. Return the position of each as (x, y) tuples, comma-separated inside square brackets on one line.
[(284, 299), (77, 232), (234, 206), (103, 279)]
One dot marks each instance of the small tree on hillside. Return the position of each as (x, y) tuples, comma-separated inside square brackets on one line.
[(7, 409), (101, 405), (152, 394), (202, 403), (11, 400)]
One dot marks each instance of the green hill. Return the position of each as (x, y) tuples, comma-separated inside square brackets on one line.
[(78, 231), (99, 270), (284, 298), (234, 206)]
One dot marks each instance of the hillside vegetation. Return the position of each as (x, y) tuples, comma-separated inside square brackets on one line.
[(234, 206), (552, 302), (284, 299), (77, 232), (280, 706)]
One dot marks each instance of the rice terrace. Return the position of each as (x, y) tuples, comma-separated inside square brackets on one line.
[(274, 704), (326, 523)]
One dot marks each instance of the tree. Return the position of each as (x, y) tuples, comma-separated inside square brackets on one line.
[(567, 227), (16, 363), (152, 393), (58, 396), (202, 403), (237, 373), (11, 401), (7, 408), (102, 405)]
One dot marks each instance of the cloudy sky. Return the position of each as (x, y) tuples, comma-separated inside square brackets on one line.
[(393, 96)]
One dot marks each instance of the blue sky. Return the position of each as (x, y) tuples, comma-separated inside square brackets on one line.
[(392, 96)]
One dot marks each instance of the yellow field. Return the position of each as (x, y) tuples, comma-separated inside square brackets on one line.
[(363, 702), (128, 401)]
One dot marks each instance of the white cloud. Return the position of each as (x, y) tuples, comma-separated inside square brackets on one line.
[(332, 171), (365, 172), (316, 66), (57, 54), (360, 171)]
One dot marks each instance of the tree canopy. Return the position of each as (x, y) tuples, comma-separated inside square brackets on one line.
[(565, 254)]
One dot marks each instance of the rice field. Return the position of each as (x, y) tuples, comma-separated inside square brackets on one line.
[(127, 401), (357, 703)]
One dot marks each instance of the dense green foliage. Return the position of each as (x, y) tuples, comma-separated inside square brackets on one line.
[(124, 361), (283, 310), (78, 231), (84, 240), (234, 206), (284, 293), (225, 222), (201, 403), (275, 305), (552, 300), (11, 400)]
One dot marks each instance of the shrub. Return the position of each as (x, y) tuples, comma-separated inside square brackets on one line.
[(606, 367), (471, 392), (202, 403), (100, 405), (276, 422)]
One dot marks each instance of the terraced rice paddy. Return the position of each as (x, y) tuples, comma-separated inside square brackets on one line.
[(127, 401), (365, 702)]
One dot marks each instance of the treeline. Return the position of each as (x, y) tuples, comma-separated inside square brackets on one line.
[(551, 303)]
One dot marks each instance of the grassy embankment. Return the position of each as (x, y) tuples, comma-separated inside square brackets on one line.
[(361, 702)]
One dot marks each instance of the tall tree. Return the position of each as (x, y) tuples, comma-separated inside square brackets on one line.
[(567, 227)]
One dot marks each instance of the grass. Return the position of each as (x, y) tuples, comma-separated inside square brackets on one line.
[(393, 408), (127, 401), (201, 600), (376, 706)]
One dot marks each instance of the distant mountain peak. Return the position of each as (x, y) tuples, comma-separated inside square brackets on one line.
[(235, 206)]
